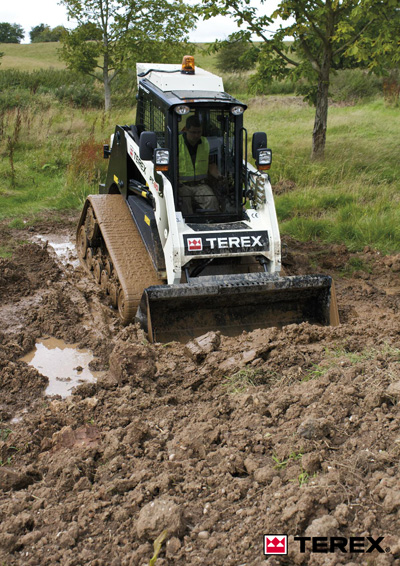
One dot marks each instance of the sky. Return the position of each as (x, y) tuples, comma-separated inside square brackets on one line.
[(29, 14)]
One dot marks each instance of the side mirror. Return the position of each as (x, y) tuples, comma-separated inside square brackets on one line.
[(259, 142), (147, 145)]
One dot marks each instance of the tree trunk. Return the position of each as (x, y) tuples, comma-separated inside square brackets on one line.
[(321, 115), (106, 78), (321, 110), (107, 93)]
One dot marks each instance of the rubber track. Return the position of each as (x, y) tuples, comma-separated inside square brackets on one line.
[(124, 244)]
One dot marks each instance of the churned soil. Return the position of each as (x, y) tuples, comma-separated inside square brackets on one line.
[(208, 445)]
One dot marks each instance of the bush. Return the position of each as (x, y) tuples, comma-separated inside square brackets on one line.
[(257, 86), (47, 79), (17, 98), (17, 88), (236, 56), (123, 89), (354, 84), (235, 83), (80, 95)]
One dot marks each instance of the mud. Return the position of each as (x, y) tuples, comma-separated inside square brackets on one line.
[(219, 441)]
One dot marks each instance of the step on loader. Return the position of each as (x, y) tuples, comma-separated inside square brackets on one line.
[(183, 235)]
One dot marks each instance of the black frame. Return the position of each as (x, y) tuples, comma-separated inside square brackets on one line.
[(166, 102)]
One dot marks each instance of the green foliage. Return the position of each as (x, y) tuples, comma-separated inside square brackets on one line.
[(47, 86), (44, 80), (354, 84), (236, 56), (265, 86), (240, 381), (80, 95), (45, 34), (11, 33), (113, 35), (324, 35), (335, 357), (5, 433), (36, 31), (22, 89), (281, 464), (157, 546), (304, 477)]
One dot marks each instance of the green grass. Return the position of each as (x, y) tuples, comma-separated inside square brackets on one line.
[(281, 464), (57, 159), (240, 381), (334, 357), (29, 57), (353, 195)]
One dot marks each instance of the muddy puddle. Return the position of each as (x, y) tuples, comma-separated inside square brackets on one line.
[(63, 364), (63, 247)]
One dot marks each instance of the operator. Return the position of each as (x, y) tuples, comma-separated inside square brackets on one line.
[(194, 167)]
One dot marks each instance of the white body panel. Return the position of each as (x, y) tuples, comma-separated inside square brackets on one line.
[(168, 81)]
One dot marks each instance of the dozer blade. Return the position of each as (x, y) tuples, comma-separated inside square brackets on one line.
[(232, 304)]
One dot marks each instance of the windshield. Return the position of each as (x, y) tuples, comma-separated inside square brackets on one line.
[(207, 163)]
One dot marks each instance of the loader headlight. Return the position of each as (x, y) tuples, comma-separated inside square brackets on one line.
[(264, 158), (182, 109), (161, 159), (237, 110)]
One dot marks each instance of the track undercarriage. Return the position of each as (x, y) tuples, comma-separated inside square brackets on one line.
[(113, 252)]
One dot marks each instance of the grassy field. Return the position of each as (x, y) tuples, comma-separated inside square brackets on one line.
[(31, 56), (52, 158)]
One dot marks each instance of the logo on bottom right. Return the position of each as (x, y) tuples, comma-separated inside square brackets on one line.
[(278, 544), (275, 544)]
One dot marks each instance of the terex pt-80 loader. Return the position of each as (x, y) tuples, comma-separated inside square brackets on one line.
[(183, 236)]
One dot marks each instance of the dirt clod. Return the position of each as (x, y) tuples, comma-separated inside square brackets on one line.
[(159, 515)]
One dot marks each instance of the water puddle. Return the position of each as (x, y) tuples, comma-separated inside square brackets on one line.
[(64, 365), (62, 245)]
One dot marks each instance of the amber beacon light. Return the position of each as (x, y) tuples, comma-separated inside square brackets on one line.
[(188, 65)]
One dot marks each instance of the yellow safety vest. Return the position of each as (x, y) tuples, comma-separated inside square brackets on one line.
[(188, 172)]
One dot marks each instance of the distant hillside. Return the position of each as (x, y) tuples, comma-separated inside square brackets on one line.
[(31, 56)]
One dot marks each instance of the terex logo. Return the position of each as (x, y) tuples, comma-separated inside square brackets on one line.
[(229, 241), (344, 544), (195, 244), (234, 242), (275, 544)]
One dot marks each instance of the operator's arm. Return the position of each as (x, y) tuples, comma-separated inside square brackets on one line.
[(213, 170)]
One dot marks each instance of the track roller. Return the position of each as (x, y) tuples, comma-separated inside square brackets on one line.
[(82, 243), (113, 291), (104, 280), (89, 258), (97, 269)]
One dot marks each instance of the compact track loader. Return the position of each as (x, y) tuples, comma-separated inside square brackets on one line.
[(183, 236)]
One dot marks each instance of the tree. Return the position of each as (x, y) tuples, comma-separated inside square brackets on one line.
[(112, 34), (236, 56), (323, 32), (37, 31), (11, 33), (44, 34)]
